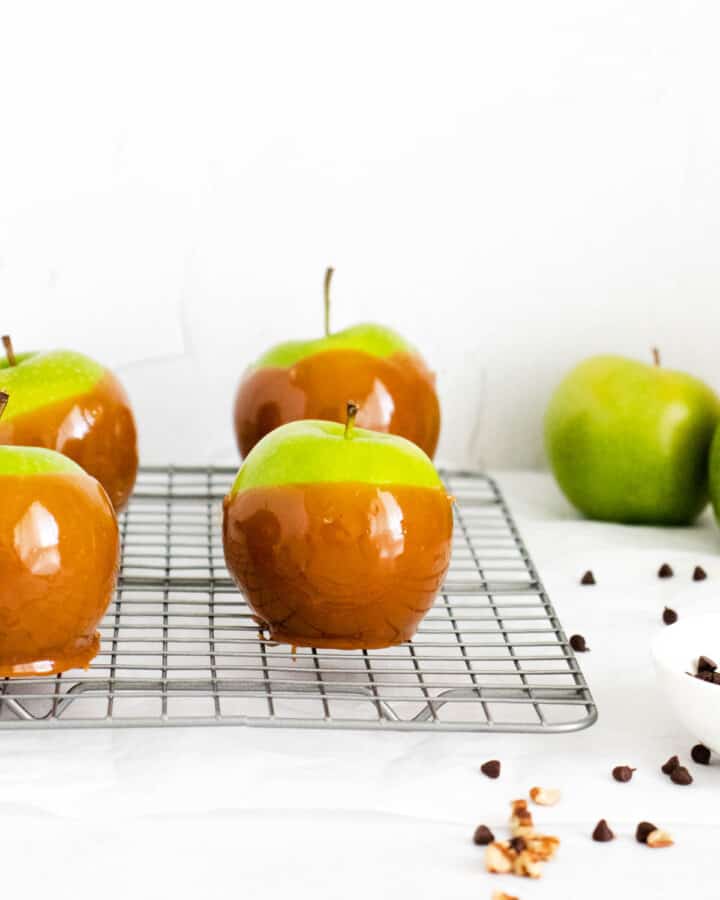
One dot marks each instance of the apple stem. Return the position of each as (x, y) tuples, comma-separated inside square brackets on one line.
[(352, 411), (656, 356), (328, 278), (9, 352), (3, 402)]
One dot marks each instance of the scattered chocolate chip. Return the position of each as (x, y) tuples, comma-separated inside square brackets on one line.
[(665, 571), (700, 754), (680, 775), (705, 664), (622, 773), (518, 844), (643, 830), (491, 768), (483, 836), (670, 765), (602, 832), (588, 578), (577, 642), (707, 676), (699, 574), (669, 617)]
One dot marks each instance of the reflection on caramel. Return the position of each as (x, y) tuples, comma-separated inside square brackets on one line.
[(348, 566), (396, 394), (97, 430), (59, 550)]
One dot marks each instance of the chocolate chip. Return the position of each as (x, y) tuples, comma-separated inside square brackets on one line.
[(706, 676), (491, 768), (670, 765), (669, 617), (705, 664), (602, 832), (643, 830), (518, 844), (680, 775), (588, 578), (483, 836), (665, 571), (700, 754), (699, 574), (577, 642), (622, 773)]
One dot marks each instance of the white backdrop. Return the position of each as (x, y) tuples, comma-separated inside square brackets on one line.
[(512, 185)]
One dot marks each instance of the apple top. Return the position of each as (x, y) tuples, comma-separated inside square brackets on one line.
[(40, 379), (36, 461), (375, 340), (311, 451)]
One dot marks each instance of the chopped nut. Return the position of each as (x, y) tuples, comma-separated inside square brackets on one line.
[(499, 858), (527, 866), (517, 805), (501, 895), (659, 838), (521, 823), (543, 846), (544, 796)]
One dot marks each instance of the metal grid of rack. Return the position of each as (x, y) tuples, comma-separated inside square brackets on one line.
[(179, 646)]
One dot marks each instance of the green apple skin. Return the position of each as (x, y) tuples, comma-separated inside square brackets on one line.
[(629, 442), (313, 451), (21, 461), (42, 379), (715, 473), (373, 339)]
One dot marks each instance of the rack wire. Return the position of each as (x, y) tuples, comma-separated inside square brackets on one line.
[(179, 646)]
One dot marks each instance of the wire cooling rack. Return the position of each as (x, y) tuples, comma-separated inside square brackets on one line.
[(179, 646)]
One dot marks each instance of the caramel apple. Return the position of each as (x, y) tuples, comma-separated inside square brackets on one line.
[(66, 402), (59, 550), (337, 536), (391, 383)]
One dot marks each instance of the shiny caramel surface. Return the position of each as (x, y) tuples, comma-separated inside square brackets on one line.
[(396, 394), (348, 566), (59, 551), (96, 429)]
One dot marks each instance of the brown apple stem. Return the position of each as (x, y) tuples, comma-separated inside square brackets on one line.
[(3, 402), (328, 278), (352, 411), (9, 352), (656, 356)]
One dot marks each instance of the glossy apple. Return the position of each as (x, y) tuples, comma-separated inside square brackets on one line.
[(337, 536), (629, 442), (66, 402), (312, 380), (59, 549)]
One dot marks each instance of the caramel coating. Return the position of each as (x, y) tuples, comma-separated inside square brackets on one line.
[(97, 430), (59, 552), (347, 566), (396, 394)]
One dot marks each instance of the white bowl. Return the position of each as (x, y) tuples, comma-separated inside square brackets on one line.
[(675, 652)]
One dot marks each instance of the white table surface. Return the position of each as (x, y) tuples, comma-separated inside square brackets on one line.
[(239, 812)]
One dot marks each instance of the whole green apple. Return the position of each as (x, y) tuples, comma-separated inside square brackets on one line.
[(338, 537), (715, 473), (312, 379), (629, 442)]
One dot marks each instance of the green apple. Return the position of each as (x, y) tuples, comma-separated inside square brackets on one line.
[(629, 442), (715, 473), (67, 402), (311, 379), (316, 452), (36, 380), (36, 461)]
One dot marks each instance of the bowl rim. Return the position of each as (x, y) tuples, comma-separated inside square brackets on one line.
[(672, 634)]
